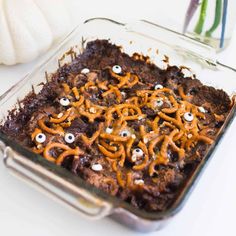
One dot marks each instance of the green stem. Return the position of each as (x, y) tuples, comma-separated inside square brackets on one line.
[(199, 27), (218, 12)]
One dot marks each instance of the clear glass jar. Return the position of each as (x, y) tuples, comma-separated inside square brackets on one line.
[(211, 21)]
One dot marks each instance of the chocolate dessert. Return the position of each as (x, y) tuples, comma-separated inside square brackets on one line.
[(122, 124)]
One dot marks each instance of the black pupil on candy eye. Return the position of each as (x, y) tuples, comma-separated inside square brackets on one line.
[(124, 134), (137, 150), (70, 137), (40, 136)]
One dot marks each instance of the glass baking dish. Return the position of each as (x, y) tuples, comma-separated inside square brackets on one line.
[(142, 37)]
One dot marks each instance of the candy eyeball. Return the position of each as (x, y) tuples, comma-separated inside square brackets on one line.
[(188, 116), (109, 130), (117, 69), (40, 138), (158, 86), (202, 109), (97, 167), (124, 133), (138, 152), (64, 102), (69, 138), (159, 102), (138, 182), (60, 115), (123, 94), (85, 71), (92, 110)]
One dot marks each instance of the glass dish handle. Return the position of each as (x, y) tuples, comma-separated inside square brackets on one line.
[(73, 196)]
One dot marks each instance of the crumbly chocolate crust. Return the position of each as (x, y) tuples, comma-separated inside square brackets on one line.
[(125, 126)]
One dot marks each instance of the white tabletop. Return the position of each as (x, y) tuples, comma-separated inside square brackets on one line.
[(209, 211)]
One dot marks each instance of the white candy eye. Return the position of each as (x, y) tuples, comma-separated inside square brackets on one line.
[(202, 109), (97, 167), (117, 69), (92, 110), (188, 116), (109, 130), (60, 115), (138, 182), (64, 102), (124, 133), (40, 138), (123, 94), (158, 86), (159, 102), (137, 152), (69, 138), (85, 71)]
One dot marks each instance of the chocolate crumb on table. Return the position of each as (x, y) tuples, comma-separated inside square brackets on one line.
[(122, 124)]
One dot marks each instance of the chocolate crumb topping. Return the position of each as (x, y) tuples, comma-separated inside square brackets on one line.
[(122, 124)]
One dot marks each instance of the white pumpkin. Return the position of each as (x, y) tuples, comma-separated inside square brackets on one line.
[(29, 27)]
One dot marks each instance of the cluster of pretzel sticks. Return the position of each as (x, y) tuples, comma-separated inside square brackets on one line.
[(174, 127)]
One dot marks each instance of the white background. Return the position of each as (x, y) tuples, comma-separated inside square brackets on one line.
[(212, 206)]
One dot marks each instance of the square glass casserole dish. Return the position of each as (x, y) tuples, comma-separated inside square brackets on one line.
[(141, 37)]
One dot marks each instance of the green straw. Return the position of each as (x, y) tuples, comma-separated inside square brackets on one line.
[(218, 12), (199, 27)]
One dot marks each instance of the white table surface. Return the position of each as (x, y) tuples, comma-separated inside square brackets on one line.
[(209, 211)]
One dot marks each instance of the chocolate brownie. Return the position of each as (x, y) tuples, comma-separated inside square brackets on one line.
[(122, 124)]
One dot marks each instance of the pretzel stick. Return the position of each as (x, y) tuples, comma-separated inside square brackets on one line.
[(109, 147), (42, 125), (76, 93), (114, 90), (90, 141), (182, 94), (153, 143), (155, 124), (112, 155), (91, 116), (168, 141), (78, 103), (121, 182), (102, 85), (37, 151), (122, 159), (197, 139), (144, 164), (66, 88), (63, 118), (71, 152), (172, 109), (113, 137), (128, 148), (46, 152)]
